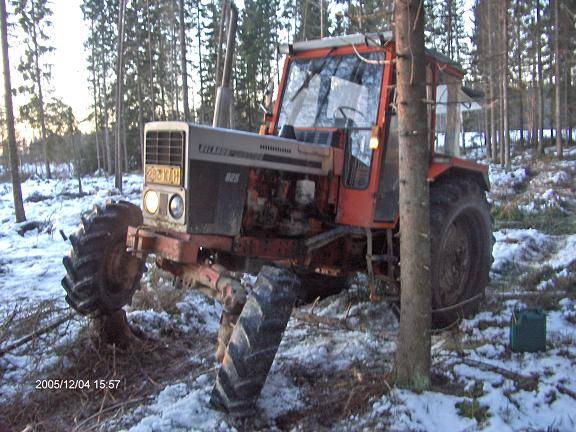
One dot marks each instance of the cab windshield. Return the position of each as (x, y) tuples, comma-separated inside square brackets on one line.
[(333, 92)]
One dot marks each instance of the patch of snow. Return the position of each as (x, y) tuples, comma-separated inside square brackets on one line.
[(566, 254), (428, 411), (518, 247), (180, 408), (505, 182)]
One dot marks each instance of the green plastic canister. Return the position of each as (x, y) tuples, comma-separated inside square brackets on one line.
[(528, 330)]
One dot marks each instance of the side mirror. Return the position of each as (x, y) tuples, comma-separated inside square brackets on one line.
[(269, 93), (266, 106), (264, 110)]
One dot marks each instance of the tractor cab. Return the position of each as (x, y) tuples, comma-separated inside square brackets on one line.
[(340, 92)]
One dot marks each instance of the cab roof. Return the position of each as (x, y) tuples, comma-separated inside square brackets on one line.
[(368, 39)]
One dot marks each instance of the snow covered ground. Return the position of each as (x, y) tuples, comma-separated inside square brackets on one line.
[(330, 373), (30, 265)]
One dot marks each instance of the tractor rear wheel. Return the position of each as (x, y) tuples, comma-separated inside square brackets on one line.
[(254, 342), (101, 276), (461, 238)]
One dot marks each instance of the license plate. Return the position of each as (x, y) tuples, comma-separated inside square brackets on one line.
[(165, 175)]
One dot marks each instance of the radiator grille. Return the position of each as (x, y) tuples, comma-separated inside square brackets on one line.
[(165, 148)]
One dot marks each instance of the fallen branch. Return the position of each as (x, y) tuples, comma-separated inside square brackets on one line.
[(30, 226), (566, 391), (513, 295), (457, 305), (524, 381), (9, 319), (318, 319), (34, 334)]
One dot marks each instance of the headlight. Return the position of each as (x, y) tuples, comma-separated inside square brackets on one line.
[(151, 201), (176, 206)]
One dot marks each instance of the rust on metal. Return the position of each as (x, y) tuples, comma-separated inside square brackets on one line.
[(270, 248), (177, 247)]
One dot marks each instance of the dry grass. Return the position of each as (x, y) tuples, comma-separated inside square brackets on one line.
[(158, 292), (142, 370), (336, 396)]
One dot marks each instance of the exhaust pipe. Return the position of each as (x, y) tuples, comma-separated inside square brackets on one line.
[(224, 96)]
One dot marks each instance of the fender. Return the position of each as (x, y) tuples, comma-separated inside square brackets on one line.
[(445, 165)]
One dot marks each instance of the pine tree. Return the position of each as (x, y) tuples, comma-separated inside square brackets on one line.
[(13, 149), (414, 338), (366, 16), (255, 58)]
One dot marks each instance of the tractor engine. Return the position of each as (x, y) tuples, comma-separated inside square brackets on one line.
[(288, 204)]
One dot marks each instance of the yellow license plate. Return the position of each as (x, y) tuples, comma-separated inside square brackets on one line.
[(165, 175)]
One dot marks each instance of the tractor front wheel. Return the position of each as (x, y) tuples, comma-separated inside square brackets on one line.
[(254, 342), (101, 277)]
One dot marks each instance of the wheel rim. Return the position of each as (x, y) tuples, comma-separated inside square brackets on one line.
[(457, 258), (121, 269)]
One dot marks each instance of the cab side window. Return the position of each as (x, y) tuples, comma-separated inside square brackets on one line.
[(448, 115)]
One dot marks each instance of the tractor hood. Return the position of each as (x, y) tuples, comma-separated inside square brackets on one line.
[(247, 149)]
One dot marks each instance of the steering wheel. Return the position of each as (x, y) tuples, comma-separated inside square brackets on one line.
[(341, 110)]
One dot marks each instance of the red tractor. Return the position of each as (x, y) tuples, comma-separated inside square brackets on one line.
[(306, 202)]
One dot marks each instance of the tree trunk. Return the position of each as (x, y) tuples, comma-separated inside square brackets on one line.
[(140, 118), (106, 118), (321, 18), (540, 147), (558, 79), (124, 142), (505, 116), (201, 114), (566, 100), (534, 100), (413, 351), (38, 80), (449, 28), (119, 95), (184, 63), (518, 22), (487, 82), (220, 41), (77, 162), (492, 93), (569, 113), (14, 164), (150, 68), (95, 87)]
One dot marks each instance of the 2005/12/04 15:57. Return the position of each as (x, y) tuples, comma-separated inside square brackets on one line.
[(77, 384)]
